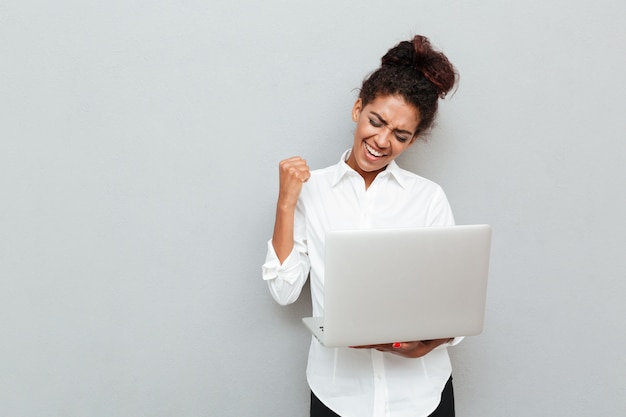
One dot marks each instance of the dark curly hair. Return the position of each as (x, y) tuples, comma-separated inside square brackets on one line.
[(418, 73)]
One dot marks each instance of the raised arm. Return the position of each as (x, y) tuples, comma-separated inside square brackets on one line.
[(293, 173), (286, 269)]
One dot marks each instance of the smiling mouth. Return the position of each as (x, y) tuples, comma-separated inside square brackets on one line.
[(373, 151)]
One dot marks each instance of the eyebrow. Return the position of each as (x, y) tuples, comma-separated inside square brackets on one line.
[(383, 121)]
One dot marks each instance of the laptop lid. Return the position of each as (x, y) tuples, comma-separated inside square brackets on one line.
[(396, 285)]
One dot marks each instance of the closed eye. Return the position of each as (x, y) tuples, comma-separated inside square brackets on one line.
[(401, 138), (401, 135), (375, 123)]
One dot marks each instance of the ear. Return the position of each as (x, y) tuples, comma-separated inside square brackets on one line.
[(356, 110)]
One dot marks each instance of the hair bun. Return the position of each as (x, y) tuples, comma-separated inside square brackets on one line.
[(421, 56)]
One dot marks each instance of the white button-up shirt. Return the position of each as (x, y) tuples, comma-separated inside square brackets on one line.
[(361, 382)]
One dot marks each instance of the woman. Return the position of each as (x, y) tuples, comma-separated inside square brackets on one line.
[(397, 104)]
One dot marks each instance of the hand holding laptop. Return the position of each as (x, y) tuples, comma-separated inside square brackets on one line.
[(415, 349)]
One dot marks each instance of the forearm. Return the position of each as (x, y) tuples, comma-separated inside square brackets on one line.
[(287, 263), (419, 349), (282, 239), (415, 349)]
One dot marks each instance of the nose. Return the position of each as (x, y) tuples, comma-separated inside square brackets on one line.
[(383, 137)]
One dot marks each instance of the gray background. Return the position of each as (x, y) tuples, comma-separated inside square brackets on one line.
[(138, 176)]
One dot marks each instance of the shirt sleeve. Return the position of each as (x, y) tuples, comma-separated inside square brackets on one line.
[(440, 212), (455, 341), (285, 281)]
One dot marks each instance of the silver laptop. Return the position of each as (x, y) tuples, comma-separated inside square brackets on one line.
[(399, 285)]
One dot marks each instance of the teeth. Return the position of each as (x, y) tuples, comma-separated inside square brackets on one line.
[(372, 151)]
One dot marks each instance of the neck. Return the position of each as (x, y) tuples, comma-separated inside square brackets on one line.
[(368, 176)]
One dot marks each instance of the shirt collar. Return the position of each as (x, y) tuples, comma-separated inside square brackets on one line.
[(392, 170)]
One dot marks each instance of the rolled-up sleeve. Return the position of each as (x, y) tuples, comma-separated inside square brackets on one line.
[(285, 280)]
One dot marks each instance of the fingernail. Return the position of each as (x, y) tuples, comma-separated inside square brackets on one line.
[(397, 345)]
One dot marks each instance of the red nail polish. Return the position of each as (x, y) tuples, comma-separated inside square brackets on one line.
[(397, 345)]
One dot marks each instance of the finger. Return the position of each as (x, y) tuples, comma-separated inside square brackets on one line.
[(293, 161), (295, 158), (294, 166), (301, 172)]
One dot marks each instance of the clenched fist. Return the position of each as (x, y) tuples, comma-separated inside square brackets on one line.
[(293, 173)]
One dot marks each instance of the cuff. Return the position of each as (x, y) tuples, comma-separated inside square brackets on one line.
[(272, 268)]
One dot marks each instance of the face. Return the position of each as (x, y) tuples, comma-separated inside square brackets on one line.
[(384, 129)]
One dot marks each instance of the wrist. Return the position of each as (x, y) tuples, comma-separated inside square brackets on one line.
[(284, 206)]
